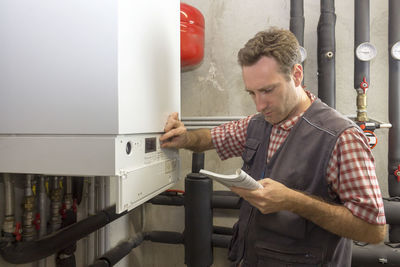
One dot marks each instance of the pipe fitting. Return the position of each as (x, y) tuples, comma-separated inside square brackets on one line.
[(329, 55), (361, 106)]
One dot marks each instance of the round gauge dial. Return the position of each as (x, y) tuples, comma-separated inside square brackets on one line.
[(303, 53), (365, 51), (395, 51)]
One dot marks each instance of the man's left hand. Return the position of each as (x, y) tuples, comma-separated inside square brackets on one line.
[(272, 198)]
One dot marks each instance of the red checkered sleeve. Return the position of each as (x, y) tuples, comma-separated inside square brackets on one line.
[(229, 138), (351, 174)]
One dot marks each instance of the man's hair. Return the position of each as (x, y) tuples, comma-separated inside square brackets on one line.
[(279, 44)]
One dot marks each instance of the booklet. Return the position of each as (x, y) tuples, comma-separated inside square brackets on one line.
[(240, 179)]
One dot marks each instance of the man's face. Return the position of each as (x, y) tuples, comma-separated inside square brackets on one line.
[(274, 96)]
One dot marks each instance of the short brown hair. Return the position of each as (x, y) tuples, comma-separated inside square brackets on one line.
[(280, 44)]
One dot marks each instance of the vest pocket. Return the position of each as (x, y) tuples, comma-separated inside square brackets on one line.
[(284, 256), (249, 152), (284, 223)]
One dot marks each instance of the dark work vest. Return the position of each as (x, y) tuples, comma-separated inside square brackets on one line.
[(284, 238)]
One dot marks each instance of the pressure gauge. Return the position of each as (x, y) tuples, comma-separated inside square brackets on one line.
[(365, 51), (303, 53), (395, 51)]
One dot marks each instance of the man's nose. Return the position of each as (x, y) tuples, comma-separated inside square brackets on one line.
[(260, 103)]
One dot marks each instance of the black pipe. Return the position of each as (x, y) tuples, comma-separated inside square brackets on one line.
[(167, 200), (221, 230), (392, 211), (120, 251), (297, 20), (197, 162), (221, 241), (394, 111), (165, 237), (375, 256), (361, 35), (198, 221), (326, 53), (24, 252), (394, 100)]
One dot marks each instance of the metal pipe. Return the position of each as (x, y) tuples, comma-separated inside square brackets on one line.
[(56, 197), (326, 53), (91, 255), (42, 210), (100, 206), (198, 221), (28, 230), (9, 220), (107, 204)]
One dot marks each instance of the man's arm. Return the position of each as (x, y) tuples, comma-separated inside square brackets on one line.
[(177, 136), (333, 218)]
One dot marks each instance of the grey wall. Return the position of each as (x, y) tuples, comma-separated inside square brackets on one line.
[(215, 88)]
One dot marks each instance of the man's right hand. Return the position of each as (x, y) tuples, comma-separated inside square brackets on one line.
[(176, 135)]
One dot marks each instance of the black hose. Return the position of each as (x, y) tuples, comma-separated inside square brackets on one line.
[(24, 252), (326, 53), (164, 237)]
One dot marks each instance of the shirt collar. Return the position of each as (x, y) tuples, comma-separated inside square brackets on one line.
[(287, 125)]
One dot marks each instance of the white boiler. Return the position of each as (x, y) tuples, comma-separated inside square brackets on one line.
[(85, 89)]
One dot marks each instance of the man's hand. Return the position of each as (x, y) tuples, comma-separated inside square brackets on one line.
[(335, 218), (175, 133), (272, 198)]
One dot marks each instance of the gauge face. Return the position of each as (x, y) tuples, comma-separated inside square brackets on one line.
[(365, 51), (395, 51), (303, 53)]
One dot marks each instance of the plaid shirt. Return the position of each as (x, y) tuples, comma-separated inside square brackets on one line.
[(351, 160)]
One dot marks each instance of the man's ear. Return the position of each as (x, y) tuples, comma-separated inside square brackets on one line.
[(297, 74)]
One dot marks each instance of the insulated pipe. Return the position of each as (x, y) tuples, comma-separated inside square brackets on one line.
[(120, 251), (361, 35), (24, 252), (56, 197), (297, 22), (198, 221), (361, 68), (392, 214), (221, 241), (394, 112), (375, 256), (394, 100), (197, 162), (326, 53)]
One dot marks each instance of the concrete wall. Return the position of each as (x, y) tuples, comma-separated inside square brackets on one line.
[(215, 88)]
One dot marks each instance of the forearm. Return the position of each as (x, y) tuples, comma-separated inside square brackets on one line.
[(199, 140), (336, 219)]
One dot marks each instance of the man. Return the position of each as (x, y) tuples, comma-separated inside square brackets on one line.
[(319, 184)]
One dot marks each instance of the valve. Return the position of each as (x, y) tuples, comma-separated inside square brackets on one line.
[(75, 205), (397, 173), (63, 211), (364, 85), (18, 231), (36, 221)]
